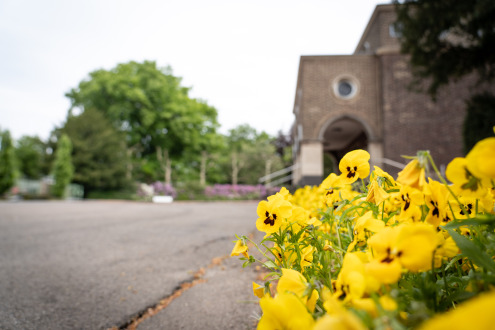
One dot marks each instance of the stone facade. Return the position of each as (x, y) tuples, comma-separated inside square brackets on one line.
[(363, 101)]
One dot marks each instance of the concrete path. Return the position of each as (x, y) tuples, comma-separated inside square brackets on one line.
[(100, 264)]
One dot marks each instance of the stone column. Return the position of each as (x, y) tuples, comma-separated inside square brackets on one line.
[(310, 163), (375, 148)]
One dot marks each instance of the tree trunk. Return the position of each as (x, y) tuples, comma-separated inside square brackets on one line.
[(128, 172), (165, 164), (202, 171), (235, 168)]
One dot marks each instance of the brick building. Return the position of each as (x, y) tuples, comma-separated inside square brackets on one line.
[(345, 102)]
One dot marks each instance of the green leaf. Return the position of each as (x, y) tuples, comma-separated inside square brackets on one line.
[(472, 251), (269, 264), (453, 261), (478, 221)]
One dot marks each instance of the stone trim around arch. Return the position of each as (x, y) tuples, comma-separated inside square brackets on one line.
[(372, 137)]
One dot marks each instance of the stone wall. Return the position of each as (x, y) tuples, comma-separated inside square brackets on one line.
[(319, 104)]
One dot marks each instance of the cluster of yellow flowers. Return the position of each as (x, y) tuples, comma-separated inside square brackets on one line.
[(363, 250)]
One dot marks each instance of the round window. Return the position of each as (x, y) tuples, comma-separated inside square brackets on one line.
[(345, 88)]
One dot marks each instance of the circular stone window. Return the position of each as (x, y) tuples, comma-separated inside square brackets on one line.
[(345, 88)]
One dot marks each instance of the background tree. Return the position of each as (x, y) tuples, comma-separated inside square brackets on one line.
[(252, 154), (480, 120), (446, 41), (150, 106), (99, 153), (7, 162), (31, 156), (263, 159), (283, 145), (63, 169), (240, 140)]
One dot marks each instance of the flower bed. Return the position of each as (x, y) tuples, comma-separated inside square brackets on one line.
[(365, 250), (238, 191)]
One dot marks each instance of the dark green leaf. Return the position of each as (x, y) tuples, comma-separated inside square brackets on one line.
[(468, 248), (478, 221)]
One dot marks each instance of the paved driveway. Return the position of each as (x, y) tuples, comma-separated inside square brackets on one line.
[(97, 264)]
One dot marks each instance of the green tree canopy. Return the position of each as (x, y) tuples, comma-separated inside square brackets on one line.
[(63, 169), (30, 153), (99, 153), (146, 102), (7, 162), (447, 40), (154, 111)]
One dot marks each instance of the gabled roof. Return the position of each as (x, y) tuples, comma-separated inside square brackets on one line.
[(373, 18)]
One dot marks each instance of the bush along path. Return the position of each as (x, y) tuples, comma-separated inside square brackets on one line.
[(364, 250)]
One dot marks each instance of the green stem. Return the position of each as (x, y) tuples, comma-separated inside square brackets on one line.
[(262, 252)]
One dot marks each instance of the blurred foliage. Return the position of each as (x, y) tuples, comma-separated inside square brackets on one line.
[(125, 194), (252, 155), (135, 123), (31, 157), (63, 170), (154, 111), (99, 152), (447, 40), (7, 162), (480, 120)]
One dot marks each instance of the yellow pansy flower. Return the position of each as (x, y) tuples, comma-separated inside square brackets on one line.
[(307, 256), (436, 200), (412, 175), (272, 214), (240, 248), (369, 305), (283, 193), (463, 207), (376, 194), (476, 313), (410, 244), (464, 181), (409, 197), (363, 227), (351, 282), (481, 159), (378, 172), (299, 218), (446, 248), (354, 165), (331, 187), (293, 281), (258, 290), (344, 320), (285, 311)]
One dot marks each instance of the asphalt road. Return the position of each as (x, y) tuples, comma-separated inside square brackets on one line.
[(98, 264)]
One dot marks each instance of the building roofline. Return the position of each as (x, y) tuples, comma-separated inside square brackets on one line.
[(378, 9), (310, 57)]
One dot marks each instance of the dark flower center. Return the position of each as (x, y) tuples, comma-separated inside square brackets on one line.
[(406, 199), (435, 211), (270, 220), (468, 208), (351, 172)]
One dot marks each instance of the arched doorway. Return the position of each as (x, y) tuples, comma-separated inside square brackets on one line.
[(340, 136)]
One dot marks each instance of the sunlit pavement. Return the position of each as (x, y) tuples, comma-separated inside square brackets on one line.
[(101, 264)]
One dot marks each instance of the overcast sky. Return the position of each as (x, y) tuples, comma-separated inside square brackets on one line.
[(241, 57)]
